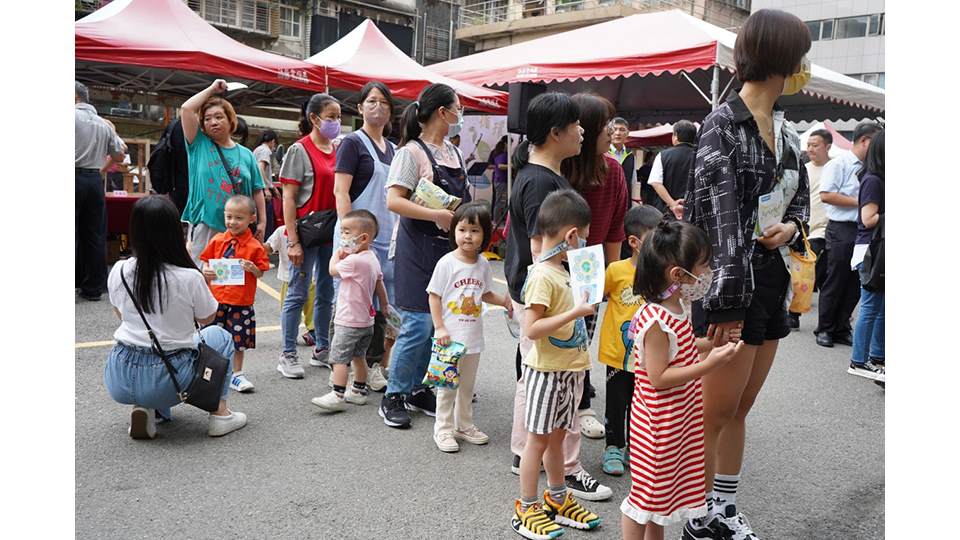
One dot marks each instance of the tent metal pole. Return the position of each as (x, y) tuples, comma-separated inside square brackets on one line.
[(695, 87), (715, 88)]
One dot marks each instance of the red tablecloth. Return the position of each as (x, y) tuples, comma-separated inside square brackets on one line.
[(119, 208)]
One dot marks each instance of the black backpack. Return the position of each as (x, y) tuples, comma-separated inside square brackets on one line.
[(161, 163), (872, 270)]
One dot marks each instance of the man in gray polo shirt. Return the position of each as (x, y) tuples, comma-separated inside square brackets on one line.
[(94, 140)]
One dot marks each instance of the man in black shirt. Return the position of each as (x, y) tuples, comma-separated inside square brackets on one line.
[(671, 169)]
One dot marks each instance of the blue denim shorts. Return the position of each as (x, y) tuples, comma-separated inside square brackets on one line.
[(137, 376)]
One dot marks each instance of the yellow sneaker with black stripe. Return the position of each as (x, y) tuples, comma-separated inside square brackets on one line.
[(534, 523), (570, 514)]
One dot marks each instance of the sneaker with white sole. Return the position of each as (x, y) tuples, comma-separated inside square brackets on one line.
[(355, 397), (219, 426), (701, 529), (330, 402), (142, 423), (320, 358), (289, 366), (375, 380), (240, 383), (422, 400), (868, 370), (307, 339), (472, 435), (583, 486), (446, 441), (590, 427), (732, 525)]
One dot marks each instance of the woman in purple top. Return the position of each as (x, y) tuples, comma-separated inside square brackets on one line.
[(867, 359)]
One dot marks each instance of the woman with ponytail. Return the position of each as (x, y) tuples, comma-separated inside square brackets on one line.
[(307, 177), (421, 240)]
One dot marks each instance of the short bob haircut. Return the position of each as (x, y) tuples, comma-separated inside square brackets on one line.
[(217, 101), (771, 42), (474, 213)]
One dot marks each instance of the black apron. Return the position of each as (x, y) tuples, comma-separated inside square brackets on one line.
[(421, 244)]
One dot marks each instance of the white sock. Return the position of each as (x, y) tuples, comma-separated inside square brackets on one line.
[(725, 490)]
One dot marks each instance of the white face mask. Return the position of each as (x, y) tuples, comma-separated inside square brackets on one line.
[(349, 244), (691, 292)]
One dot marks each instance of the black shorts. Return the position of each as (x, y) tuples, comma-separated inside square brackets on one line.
[(766, 317), (241, 323)]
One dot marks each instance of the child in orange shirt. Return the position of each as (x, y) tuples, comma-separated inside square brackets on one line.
[(235, 313)]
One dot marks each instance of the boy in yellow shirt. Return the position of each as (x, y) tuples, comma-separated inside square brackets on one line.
[(615, 344), (553, 370)]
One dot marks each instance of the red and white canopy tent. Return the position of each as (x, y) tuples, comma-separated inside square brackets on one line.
[(654, 67), (365, 54), (162, 46)]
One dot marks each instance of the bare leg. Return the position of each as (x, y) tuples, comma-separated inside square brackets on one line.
[(654, 532), (552, 458), (237, 361), (339, 375), (722, 390), (387, 348), (530, 464), (359, 370), (631, 529), (731, 440), (222, 410)]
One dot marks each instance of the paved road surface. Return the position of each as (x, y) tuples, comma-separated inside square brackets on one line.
[(814, 463)]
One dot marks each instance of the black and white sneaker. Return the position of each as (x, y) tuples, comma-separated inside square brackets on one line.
[(393, 412), (699, 529), (731, 525), (515, 467), (583, 486), (867, 370), (424, 401)]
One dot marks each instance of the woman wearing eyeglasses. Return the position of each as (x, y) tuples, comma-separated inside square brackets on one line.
[(363, 163)]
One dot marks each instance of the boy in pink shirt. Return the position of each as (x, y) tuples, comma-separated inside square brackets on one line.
[(359, 271)]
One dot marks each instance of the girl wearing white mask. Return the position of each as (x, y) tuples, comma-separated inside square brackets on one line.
[(363, 164), (421, 240), (666, 414), (307, 175), (749, 193)]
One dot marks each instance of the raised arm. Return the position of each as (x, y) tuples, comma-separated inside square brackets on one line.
[(190, 110)]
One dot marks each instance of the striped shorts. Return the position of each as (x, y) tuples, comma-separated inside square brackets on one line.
[(552, 398)]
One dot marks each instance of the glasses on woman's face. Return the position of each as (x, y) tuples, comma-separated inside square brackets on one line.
[(372, 104)]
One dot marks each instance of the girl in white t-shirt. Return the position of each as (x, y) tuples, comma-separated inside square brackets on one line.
[(459, 286)]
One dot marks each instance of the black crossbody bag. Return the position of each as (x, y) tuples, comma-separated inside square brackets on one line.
[(237, 186), (209, 367)]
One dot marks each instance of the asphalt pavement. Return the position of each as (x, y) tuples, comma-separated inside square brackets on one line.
[(814, 465)]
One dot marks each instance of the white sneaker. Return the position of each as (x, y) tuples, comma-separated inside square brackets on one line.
[(289, 366), (446, 442), (219, 426), (352, 396), (240, 383), (142, 423), (376, 381), (472, 435), (330, 402), (590, 427), (349, 380)]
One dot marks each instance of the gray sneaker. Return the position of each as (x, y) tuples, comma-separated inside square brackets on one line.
[(320, 358), (289, 366)]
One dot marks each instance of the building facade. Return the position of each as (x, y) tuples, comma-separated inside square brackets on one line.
[(848, 36), (489, 24)]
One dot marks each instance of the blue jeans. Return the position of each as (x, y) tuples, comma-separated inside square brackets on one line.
[(136, 375), (411, 353), (868, 332), (316, 265)]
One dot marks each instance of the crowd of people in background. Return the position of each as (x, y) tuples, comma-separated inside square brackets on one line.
[(696, 292)]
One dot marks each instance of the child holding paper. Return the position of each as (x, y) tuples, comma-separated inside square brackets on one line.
[(235, 312), (460, 283)]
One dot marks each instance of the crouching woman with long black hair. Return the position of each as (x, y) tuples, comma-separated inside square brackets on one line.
[(173, 294)]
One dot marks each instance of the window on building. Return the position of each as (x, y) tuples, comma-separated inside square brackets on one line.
[(876, 79), (814, 27), (253, 15), (436, 44), (873, 28), (852, 27), (290, 21), (826, 29)]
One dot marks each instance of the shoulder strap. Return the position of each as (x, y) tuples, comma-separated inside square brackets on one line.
[(156, 343), (223, 161)]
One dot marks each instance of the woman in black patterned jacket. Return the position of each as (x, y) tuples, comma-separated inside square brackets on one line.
[(749, 192)]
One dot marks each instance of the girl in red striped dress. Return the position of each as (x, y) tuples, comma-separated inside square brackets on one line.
[(666, 416)]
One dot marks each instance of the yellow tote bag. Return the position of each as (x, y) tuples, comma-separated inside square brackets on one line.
[(803, 275)]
